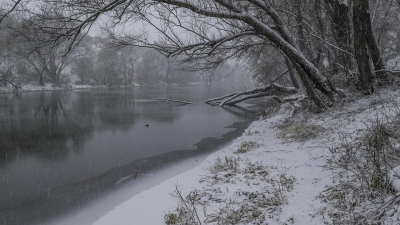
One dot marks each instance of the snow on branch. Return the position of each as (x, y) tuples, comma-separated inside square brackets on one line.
[(394, 178), (394, 72)]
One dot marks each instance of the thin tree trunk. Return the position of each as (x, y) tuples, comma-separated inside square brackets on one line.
[(41, 81), (360, 44), (321, 26), (292, 73), (340, 14), (373, 47), (132, 73), (124, 61), (300, 30)]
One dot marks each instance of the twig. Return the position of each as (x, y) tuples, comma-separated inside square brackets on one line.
[(394, 72), (344, 51)]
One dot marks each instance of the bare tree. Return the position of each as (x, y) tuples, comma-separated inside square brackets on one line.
[(365, 45), (47, 61), (341, 28)]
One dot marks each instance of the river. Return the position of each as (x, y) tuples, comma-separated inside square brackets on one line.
[(62, 149)]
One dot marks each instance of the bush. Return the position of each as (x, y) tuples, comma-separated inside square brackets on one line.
[(362, 194)]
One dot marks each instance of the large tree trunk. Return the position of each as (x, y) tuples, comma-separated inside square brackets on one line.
[(300, 30), (310, 75), (313, 80), (360, 19), (311, 90)]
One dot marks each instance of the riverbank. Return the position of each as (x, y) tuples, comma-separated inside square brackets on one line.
[(47, 87), (278, 172), (33, 87)]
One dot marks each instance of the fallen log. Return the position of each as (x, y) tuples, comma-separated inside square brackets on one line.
[(269, 90), (172, 100)]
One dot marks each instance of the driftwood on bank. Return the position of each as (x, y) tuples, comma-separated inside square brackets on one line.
[(237, 97), (172, 100)]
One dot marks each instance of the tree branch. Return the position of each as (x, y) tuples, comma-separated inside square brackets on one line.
[(10, 11)]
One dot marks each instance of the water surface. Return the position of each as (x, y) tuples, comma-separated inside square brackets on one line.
[(52, 139)]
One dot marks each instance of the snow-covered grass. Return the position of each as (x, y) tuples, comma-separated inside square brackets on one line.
[(300, 168), (365, 153)]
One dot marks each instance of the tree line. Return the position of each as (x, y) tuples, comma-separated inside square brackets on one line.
[(313, 45), (23, 61)]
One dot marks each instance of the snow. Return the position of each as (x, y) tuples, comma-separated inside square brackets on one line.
[(393, 177), (35, 87), (304, 161), (393, 64)]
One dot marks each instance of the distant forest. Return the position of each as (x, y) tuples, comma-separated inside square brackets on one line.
[(93, 62)]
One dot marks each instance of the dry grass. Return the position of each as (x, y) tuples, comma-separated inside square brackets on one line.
[(301, 131), (249, 132), (246, 147), (362, 193), (219, 205)]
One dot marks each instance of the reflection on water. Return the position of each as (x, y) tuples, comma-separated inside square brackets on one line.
[(51, 139)]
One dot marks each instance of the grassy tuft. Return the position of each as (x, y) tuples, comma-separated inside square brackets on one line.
[(301, 131), (266, 194), (246, 147)]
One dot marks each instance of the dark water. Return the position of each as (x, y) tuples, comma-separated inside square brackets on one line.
[(53, 139)]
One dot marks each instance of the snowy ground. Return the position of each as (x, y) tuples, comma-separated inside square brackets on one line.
[(278, 151)]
